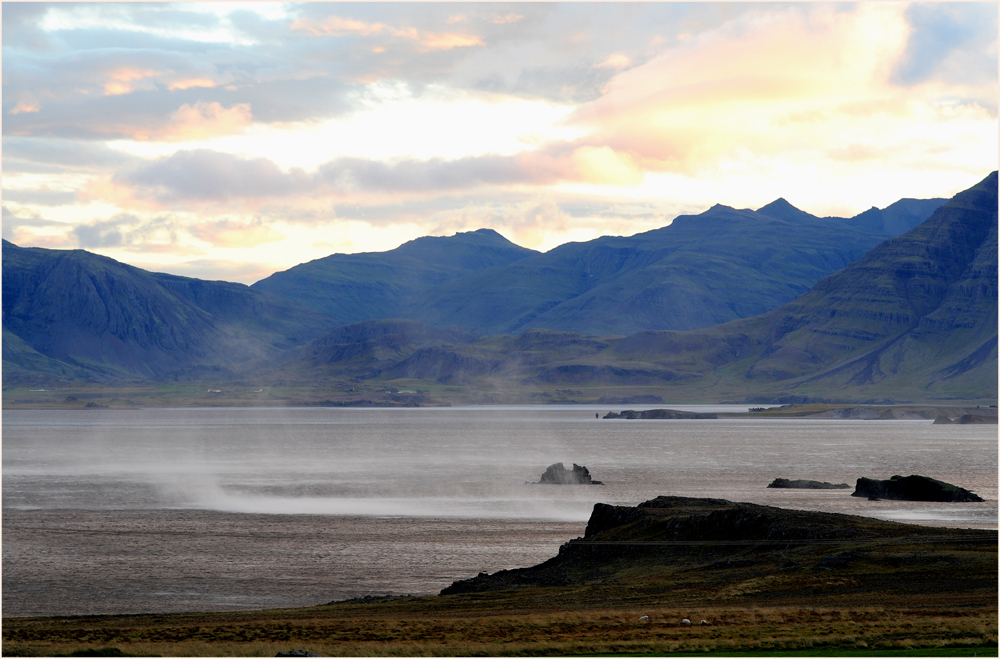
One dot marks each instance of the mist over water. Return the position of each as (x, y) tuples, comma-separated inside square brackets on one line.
[(79, 484)]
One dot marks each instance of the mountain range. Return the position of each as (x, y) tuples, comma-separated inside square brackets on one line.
[(729, 304), (699, 271)]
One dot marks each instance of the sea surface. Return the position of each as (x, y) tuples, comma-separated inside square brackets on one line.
[(129, 511)]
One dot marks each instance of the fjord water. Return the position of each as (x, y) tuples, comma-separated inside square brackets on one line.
[(120, 511)]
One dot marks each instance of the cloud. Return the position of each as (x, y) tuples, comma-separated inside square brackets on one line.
[(41, 197), (953, 43), (132, 233), (202, 121), (616, 61), (17, 226), (426, 40), (791, 82), (229, 233), (506, 19), (211, 175)]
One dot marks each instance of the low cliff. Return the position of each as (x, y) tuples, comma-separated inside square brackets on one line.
[(678, 534)]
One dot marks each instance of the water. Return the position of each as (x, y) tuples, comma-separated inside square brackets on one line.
[(217, 509)]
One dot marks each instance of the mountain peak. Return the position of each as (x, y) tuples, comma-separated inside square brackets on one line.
[(782, 210)]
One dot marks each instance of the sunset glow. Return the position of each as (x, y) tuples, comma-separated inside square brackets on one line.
[(232, 140)]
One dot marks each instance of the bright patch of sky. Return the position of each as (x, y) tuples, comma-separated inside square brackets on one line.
[(389, 123)]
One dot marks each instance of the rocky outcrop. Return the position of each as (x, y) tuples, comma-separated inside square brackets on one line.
[(942, 419), (707, 536), (913, 488), (557, 474), (784, 483), (659, 414)]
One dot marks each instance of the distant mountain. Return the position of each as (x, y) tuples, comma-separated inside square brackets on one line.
[(697, 272), (917, 315), (73, 314), (357, 287), (914, 319)]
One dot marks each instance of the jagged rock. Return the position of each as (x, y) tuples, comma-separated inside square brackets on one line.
[(807, 485), (557, 474), (912, 488), (942, 419)]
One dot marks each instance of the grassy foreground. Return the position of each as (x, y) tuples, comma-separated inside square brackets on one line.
[(455, 626)]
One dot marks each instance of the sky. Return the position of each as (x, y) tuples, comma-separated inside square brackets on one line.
[(231, 140)]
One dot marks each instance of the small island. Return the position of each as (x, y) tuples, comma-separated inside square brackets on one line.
[(913, 488), (557, 474), (659, 414), (784, 483)]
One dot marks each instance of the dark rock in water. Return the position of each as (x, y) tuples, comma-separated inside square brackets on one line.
[(659, 414), (912, 488), (297, 653), (807, 485), (557, 474), (941, 419)]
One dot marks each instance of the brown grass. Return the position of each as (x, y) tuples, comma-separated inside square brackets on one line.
[(419, 627)]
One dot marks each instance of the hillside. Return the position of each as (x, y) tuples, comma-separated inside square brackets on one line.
[(357, 287), (682, 276), (77, 315), (914, 319), (699, 271)]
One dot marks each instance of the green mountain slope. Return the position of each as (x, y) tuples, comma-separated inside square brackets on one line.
[(697, 272), (76, 313), (357, 287)]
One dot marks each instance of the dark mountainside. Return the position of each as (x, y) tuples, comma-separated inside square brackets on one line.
[(914, 319), (72, 314), (357, 287), (680, 277)]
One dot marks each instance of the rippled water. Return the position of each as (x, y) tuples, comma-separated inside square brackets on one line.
[(209, 509)]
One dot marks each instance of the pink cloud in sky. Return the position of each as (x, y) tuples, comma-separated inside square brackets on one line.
[(229, 233), (744, 85), (426, 40)]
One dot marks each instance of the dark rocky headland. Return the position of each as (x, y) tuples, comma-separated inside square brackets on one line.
[(700, 548)]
